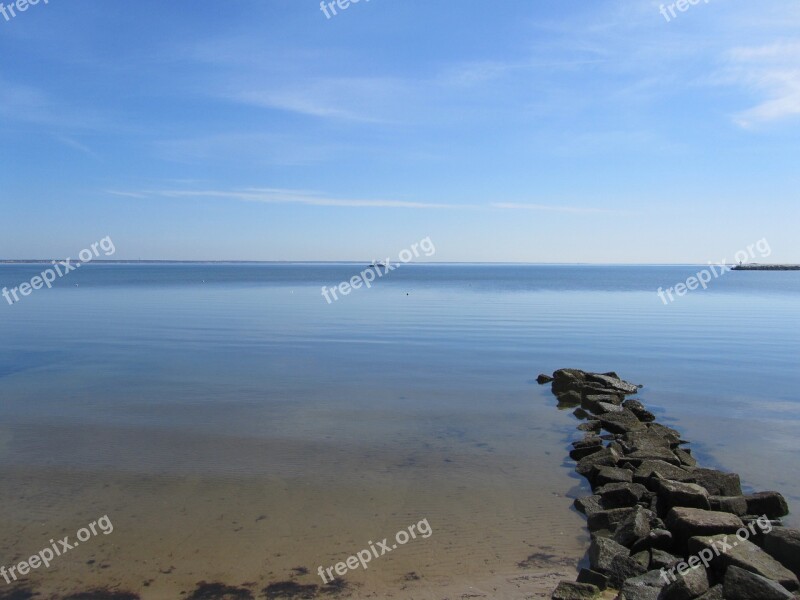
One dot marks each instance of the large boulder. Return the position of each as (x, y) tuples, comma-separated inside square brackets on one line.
[(686, 586), (593, 577), (589, 505), (568, 590), (676, 493), (771, 504), (621, 422), (643, 587), (621, 495), (565, 380), (741, 584), (607, 519), (623, 568), (633, 528), (717, 483), (612, 383), (588, 445), (784, 545), (736, 505), (663, 454), (647, 469), (715, 593), (606, 475), (602, 553), (728, 550), (592, 402), (685, 523), (607, 457), (639, 410)]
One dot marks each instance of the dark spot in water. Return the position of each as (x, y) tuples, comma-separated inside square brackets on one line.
[(290, 590), (220, 591), (102, 594), (17, 593), (300, 570), (543, 559), (261, 518), (337, 586), (411, 576)]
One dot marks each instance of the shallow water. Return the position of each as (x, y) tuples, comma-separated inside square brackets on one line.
[(234, 426)]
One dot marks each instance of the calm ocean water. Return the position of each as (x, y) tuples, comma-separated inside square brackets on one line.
[(425, 381)]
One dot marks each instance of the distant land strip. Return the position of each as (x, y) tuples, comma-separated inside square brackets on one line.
[(766, 268)]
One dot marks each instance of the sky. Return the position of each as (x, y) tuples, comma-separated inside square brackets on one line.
[(596, 131)]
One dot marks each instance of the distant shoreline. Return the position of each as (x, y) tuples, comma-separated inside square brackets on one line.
[(766, 268), (39, 261)]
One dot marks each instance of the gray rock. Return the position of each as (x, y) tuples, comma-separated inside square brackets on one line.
[(607, 519), (685, 523), (613, 383), (542, 379), (717, 483), (715, 593), (592, 402), (607, 457), (661, 559), (676, 493), (669, 433), (568, 590), (772, 504), (643, 587), (656, 539), (686, 586), (663, 454), (685, 458), (568, 399), (605, 407), (590, 426), (580, 413), (620, 495), (588, 505), (784, 546), (743, 554), (639, 410), (741, 584), (648, 468), (585, 449), (602, 552), (594, 577), (613, 475), (634, 528), (565, 380), (623, 568), (736, 505), (621, 422)]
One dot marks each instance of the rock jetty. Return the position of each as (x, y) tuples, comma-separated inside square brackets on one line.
[(663, 527), (744, 267)]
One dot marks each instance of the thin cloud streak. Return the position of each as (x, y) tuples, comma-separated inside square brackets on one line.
[(284, 196), (544, 207)]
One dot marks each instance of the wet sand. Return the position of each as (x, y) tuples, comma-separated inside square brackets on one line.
[(500, 528)]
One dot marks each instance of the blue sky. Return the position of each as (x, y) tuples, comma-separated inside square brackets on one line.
[(568, 131)]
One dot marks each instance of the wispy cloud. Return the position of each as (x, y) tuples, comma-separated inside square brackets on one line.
[(553, 208), (772, 72), (287, 196)]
